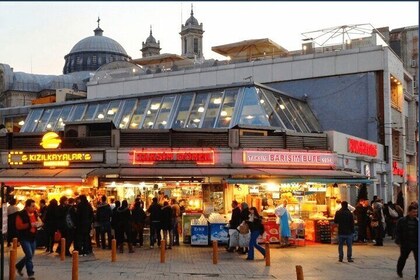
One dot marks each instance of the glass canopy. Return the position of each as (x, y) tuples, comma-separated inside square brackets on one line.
[(251, 105)]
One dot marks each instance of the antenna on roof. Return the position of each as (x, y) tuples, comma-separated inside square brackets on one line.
[(181, 14)]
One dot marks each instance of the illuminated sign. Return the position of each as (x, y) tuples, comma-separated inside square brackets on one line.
[(362, 148), (396, 170), (50, 140), (289, 159), (52, 159), (154, 156)]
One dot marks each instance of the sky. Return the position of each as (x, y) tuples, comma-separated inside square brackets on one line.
[(35, 36)]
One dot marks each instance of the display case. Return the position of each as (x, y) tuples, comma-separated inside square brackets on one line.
[(186, 226)]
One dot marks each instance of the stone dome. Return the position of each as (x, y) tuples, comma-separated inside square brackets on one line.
[(191, 20), (150, 39), (92, 52)]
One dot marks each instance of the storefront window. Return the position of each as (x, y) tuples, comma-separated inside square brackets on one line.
[(127, 111), (197, 110), (252, 113), (226, 113), (183, 110), (152, 110), (53, 119), (212, 110), (139, 112), (164, 113)]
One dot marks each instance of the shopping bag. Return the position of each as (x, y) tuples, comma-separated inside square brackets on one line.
[(244, 239), (233, 238)]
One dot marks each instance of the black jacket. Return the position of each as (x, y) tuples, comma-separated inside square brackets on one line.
[(236, 218), (407, 232), (138, 215), (103, 213), (166, 218), (155, 212), (344, 219)]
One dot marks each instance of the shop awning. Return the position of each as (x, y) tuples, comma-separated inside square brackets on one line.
[(57, 176), (238, 175)]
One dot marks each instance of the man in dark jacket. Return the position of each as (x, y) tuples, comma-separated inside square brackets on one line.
[(362, 219), (103, 215), (344, 219), (235, 220), (155, 214), (84, 221), (406, 237)]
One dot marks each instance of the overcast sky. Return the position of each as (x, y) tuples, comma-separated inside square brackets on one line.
[(35, 37)]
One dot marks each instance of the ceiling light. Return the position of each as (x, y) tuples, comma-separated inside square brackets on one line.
[(164, 122), (196, 120), (282, 107), (262, 101), (133, 124), (125, 119), (155, 106), (110, 112), (21, 123), (101, 116), (150, 123), (49, 126), (249, 117), (223, 113), (217, 101), (201, 109), (148, 112)]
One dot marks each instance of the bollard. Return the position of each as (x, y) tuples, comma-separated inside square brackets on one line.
[(12, 263), (15, 243), (114, 250), (267, 254), (162, 251), (215, 251), (63, 249), (75, 266), (299, 272)]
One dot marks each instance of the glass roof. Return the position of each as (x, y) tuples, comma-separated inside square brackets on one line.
[(250, 105)]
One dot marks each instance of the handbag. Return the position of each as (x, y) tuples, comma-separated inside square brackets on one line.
[(374, 224), (57, 236), (243, 228)]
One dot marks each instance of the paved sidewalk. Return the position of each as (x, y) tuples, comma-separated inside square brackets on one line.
[(319, 261)]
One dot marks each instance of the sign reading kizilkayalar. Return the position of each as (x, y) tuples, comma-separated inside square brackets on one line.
[(55, 159), (290, 158)]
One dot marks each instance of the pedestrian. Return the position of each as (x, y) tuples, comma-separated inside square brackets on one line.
[(166, 224), (138, 218), (362, 219), (61, 217), (12, 211), (234, 222), (27, 223), (244, 218), (103, 216), (284, 218), (84, 220), (114, 219), (344, 219), (51, 224), (124, 227), (256, 227), (378, 223), (176, 221), (407, 231), (155, 215)]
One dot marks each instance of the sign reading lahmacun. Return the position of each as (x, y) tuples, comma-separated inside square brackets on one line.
[(290, 158), (361, 147), (168, 156), (54, 159)]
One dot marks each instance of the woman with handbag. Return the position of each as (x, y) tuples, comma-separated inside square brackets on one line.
[(256, 227)]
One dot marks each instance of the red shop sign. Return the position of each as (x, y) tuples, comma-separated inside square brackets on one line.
[(396, 170), (362, 148), (187, 156)]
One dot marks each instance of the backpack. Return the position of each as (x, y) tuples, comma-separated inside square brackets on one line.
[(69, 220)]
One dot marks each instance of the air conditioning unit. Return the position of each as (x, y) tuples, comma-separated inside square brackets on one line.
[(413, 63), (79, 131)]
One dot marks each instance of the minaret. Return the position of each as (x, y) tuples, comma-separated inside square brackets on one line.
[(151, 47), (192, 37)]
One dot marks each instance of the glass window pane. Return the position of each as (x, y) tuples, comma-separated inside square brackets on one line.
[(228, 106), (197, 110), (126, 113), (270, 113), (59, 126), (283, 113), (78, 112), (112, 110), (252, 112), (212, 110), (53, 119), (307, 115), (149, 120), (291, 113), (164, 113), (297, 114), (43, 120), (138, 115), (183, 110), (32, 120), (101, 111), (90, 112)]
